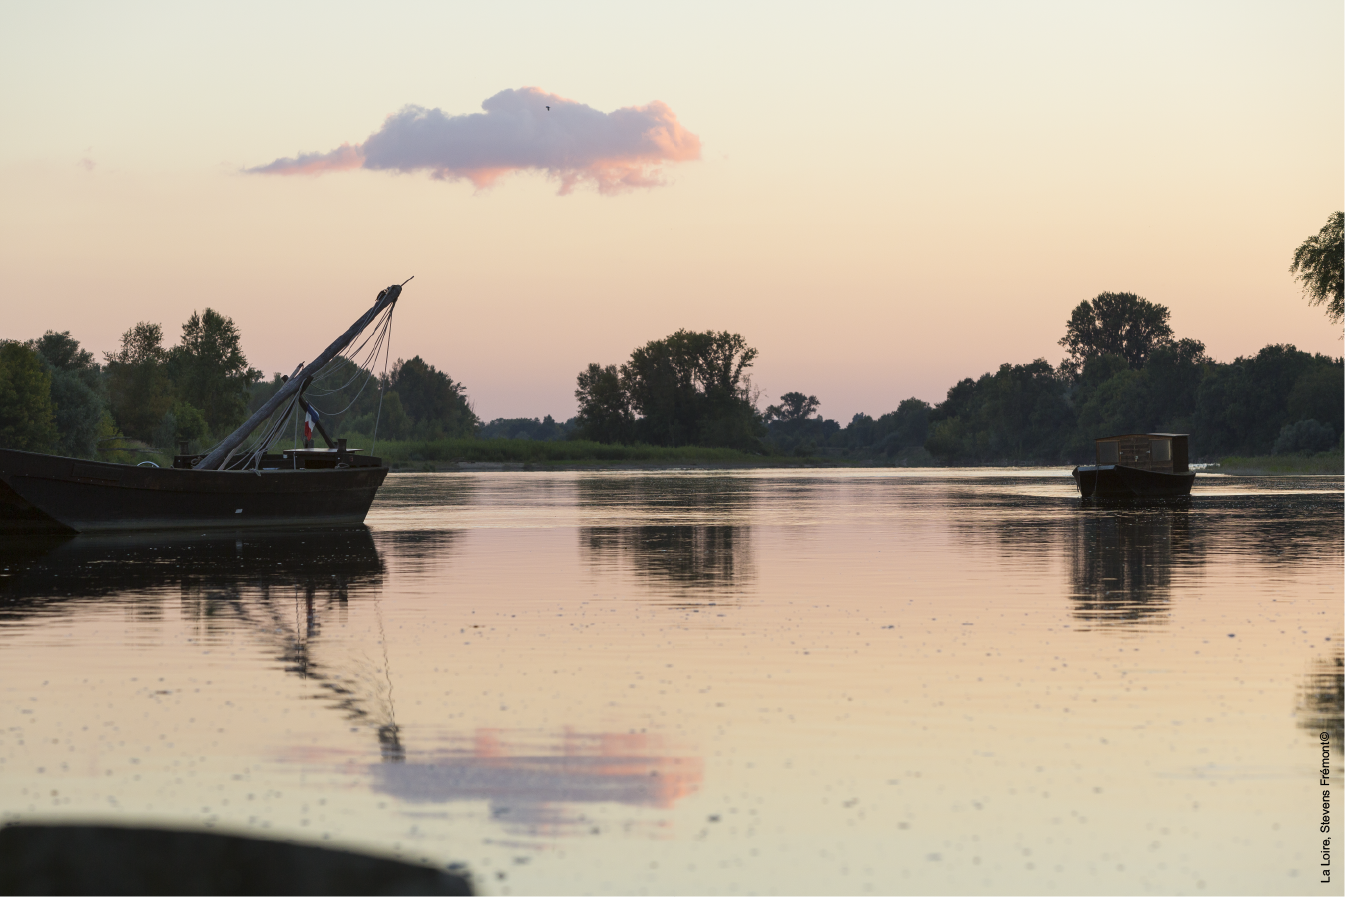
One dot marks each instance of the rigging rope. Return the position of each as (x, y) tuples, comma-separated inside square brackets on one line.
[(333, 367), (381, 341), (382, 388), (376, 339)]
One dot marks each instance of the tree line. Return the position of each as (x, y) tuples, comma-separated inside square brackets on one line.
[(1130, 375), (148, 397), (1124, 371)]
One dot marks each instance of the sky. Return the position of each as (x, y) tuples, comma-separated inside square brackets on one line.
[(883, 198)]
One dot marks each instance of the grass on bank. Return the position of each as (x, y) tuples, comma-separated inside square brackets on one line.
[(1321, 464), (425, 454), (417, 454)]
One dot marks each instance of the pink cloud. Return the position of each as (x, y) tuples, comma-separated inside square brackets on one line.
[(572, 142), (343, 158)]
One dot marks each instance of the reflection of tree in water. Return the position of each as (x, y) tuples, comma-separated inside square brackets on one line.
[(669, 499), (1122, 560), (417, 550), (1321, 699), (1290, 530), (690, 557), (418, 544), (688, 532)]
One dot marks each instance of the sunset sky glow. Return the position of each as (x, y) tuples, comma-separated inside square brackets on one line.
[(882, 198)]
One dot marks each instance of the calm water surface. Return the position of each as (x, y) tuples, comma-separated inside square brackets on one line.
[(762, 681)]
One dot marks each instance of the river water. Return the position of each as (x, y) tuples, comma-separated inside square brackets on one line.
[(684, 682)]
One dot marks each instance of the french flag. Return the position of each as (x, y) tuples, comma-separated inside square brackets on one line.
[(309, 420)]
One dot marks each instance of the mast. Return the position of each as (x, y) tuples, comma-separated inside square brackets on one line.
[(233, 440)]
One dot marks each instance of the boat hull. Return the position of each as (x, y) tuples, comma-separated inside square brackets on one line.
[(1119, 481), (93, 496), (19, 516)]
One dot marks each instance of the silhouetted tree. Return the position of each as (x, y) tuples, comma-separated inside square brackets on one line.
[(1319, 394), (793, 406), (1304, 437), (548, 429), (895, 433), (62, 352), (1017, 414), (791, 427), (907, 427), (687, 389), (1241, 407), (27, 419), (436, 405), (690, 389), (209, 371), (1114, 323), (138, 387), (184, 422), (77, 392), (1317, 265), (605, 413), (1110, 398)]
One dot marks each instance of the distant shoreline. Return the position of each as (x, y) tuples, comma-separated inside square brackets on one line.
[(1325, 464), (529, 454), (1241, 467), (781, 464)]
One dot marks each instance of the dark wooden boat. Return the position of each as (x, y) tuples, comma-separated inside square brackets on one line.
[(94, 496), (220, 489), (1147, 465)]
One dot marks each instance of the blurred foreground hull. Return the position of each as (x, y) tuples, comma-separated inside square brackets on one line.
[(105, 859)]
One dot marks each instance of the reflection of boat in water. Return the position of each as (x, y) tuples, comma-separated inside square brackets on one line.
[(1122, 564), (291, 594), (233, 485), (1146, 465), (42, 574)]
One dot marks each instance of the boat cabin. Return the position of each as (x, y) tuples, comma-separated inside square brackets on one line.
[(1159, 452)]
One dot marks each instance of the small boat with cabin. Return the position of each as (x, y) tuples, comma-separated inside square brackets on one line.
[(238, 483), (1146, 465)]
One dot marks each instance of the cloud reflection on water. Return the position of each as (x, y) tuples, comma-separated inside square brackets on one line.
[(531, 781)]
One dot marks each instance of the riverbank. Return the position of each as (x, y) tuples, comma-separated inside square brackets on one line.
[(528, 454), (1322, 464)]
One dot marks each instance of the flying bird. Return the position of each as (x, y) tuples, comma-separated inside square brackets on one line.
[(548, 108)]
